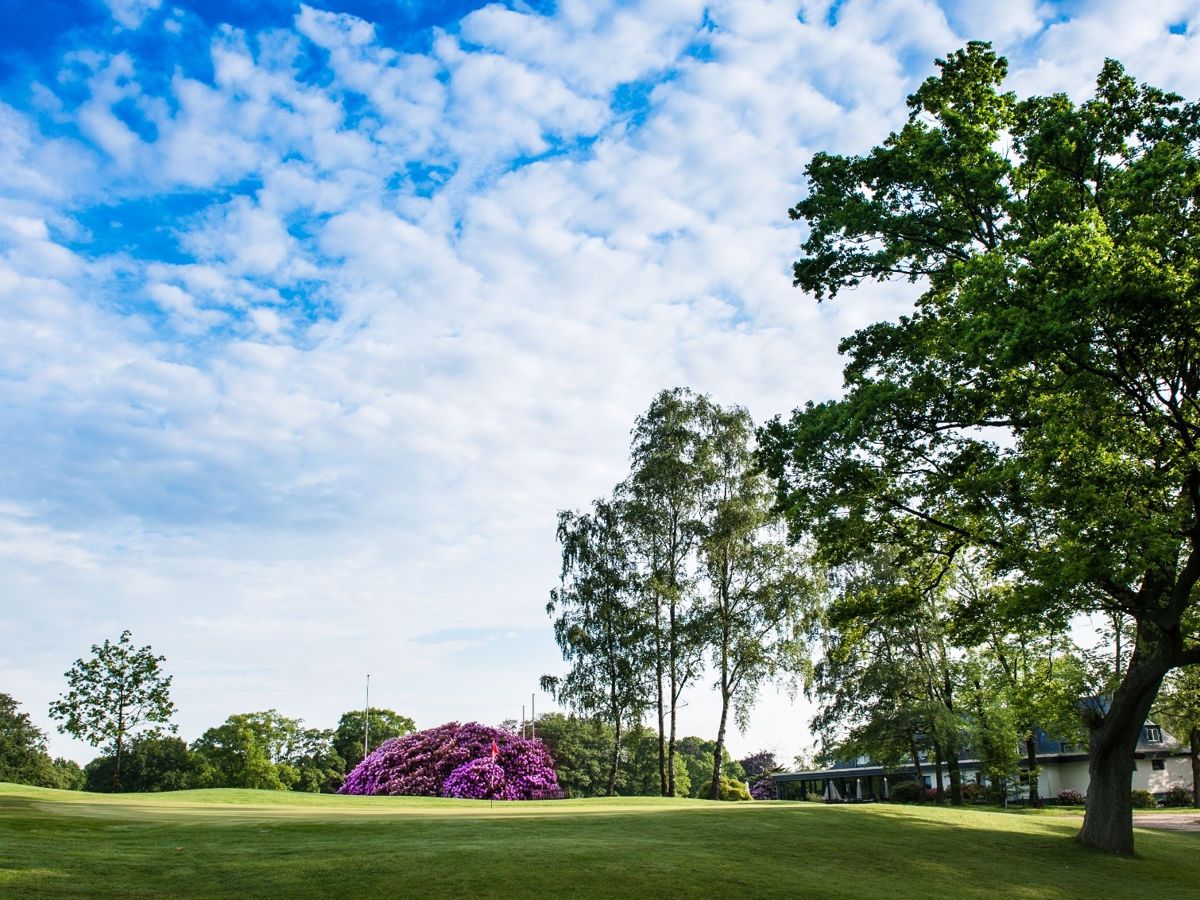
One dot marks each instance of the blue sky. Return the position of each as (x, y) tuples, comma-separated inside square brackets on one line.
[(313, 315)]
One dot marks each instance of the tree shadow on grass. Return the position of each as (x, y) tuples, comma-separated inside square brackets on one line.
[(771, 850)]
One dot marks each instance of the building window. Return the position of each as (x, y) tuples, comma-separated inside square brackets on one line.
[(1158, 765), (863, 760), (1153, 734)]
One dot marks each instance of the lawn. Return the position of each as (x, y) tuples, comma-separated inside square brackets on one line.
[(276, 844)]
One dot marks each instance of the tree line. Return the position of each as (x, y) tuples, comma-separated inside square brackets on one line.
[(684, 564), (118, 699)]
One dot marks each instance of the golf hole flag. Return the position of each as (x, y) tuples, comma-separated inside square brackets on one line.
[(495, 751)]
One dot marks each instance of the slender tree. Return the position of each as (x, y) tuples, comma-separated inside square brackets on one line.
[(665, 492), (1041, 404), (755, 587), (119, 691), (598, 624)]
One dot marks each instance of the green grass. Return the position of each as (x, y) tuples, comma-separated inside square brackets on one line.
[(276, 844)]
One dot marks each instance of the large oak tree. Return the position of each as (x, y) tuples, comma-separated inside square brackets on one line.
[(1039, 403)]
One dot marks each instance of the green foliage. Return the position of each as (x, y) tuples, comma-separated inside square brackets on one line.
[(112, 695), (687, 557), (1177, 707), (152, 762), (23, 756), (696, 756), (1177, 796), (1038, 406), (599, 626), (639, 764), (906, 792), (663, 512), (580, 749), (732, 789), (1142, 799), (267, 751), (814, 797), (385, 724)]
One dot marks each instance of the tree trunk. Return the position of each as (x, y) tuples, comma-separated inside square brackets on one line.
[(937, 764), (1113, 737), (658, 681), (916, 758), (120, 742), (671, 750), (116, 780), (672, 664), (1196, 767), (952, 746), (955, 776), (1035, 799), (616, 754), (719, 750)]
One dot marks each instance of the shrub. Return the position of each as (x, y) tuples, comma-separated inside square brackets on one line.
[(907, 792), (454, 757), (1142, 799), (732, 789), (1177, 795), (479, 779), (813, 797), (1070, 797), (763, 789), (973, 792)]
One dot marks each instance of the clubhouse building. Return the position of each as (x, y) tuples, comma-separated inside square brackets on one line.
[(1160, 763)]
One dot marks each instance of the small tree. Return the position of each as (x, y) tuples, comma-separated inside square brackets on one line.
[(120, 690)]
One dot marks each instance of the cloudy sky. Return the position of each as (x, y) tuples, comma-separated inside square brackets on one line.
[(313, 316)]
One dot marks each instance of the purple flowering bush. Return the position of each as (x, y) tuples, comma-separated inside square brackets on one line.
[(455, 760), (763, 789), (479, 779)]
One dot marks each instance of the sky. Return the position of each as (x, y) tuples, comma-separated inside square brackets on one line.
[(313, 315)]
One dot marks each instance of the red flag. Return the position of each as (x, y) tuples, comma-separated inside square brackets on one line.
[(495, 751)]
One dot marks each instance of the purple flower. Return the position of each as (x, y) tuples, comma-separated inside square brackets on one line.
[(454, 760)]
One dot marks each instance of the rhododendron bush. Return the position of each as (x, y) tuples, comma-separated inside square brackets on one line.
[(455, 760), (763, 789)]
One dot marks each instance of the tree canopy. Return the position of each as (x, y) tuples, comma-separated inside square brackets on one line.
[(1038, 406), (111, 696), (23, 756)]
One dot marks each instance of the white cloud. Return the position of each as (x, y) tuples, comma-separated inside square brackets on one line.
[(396, 347), (131, 13)]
